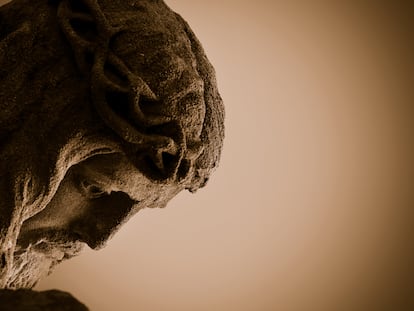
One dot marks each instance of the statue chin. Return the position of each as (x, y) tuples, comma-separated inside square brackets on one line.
[(38, 260)]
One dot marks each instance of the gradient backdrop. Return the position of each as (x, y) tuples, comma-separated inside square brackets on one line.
[(312, 206)]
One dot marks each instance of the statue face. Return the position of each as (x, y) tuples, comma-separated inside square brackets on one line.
[(94, 199)]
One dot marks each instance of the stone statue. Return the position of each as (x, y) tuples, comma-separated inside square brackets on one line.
[(106, 107)]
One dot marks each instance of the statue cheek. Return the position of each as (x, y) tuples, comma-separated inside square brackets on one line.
[(102, 217)]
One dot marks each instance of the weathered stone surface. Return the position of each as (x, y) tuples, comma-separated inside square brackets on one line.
[(28, 300), (106, 107)]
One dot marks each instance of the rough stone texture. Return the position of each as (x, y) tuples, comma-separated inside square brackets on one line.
[(28, 300), (106, 107)]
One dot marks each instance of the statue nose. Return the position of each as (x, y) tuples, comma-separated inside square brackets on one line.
[(102, 218)]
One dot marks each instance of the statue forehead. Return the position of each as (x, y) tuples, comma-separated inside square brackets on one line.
[(165, 62), (155, 45)]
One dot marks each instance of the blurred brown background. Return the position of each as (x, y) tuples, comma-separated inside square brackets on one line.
[(312, 206)]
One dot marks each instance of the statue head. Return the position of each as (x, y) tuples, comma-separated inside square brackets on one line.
[(107, 107)]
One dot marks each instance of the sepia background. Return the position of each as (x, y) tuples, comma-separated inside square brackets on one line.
[(312, 205)]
